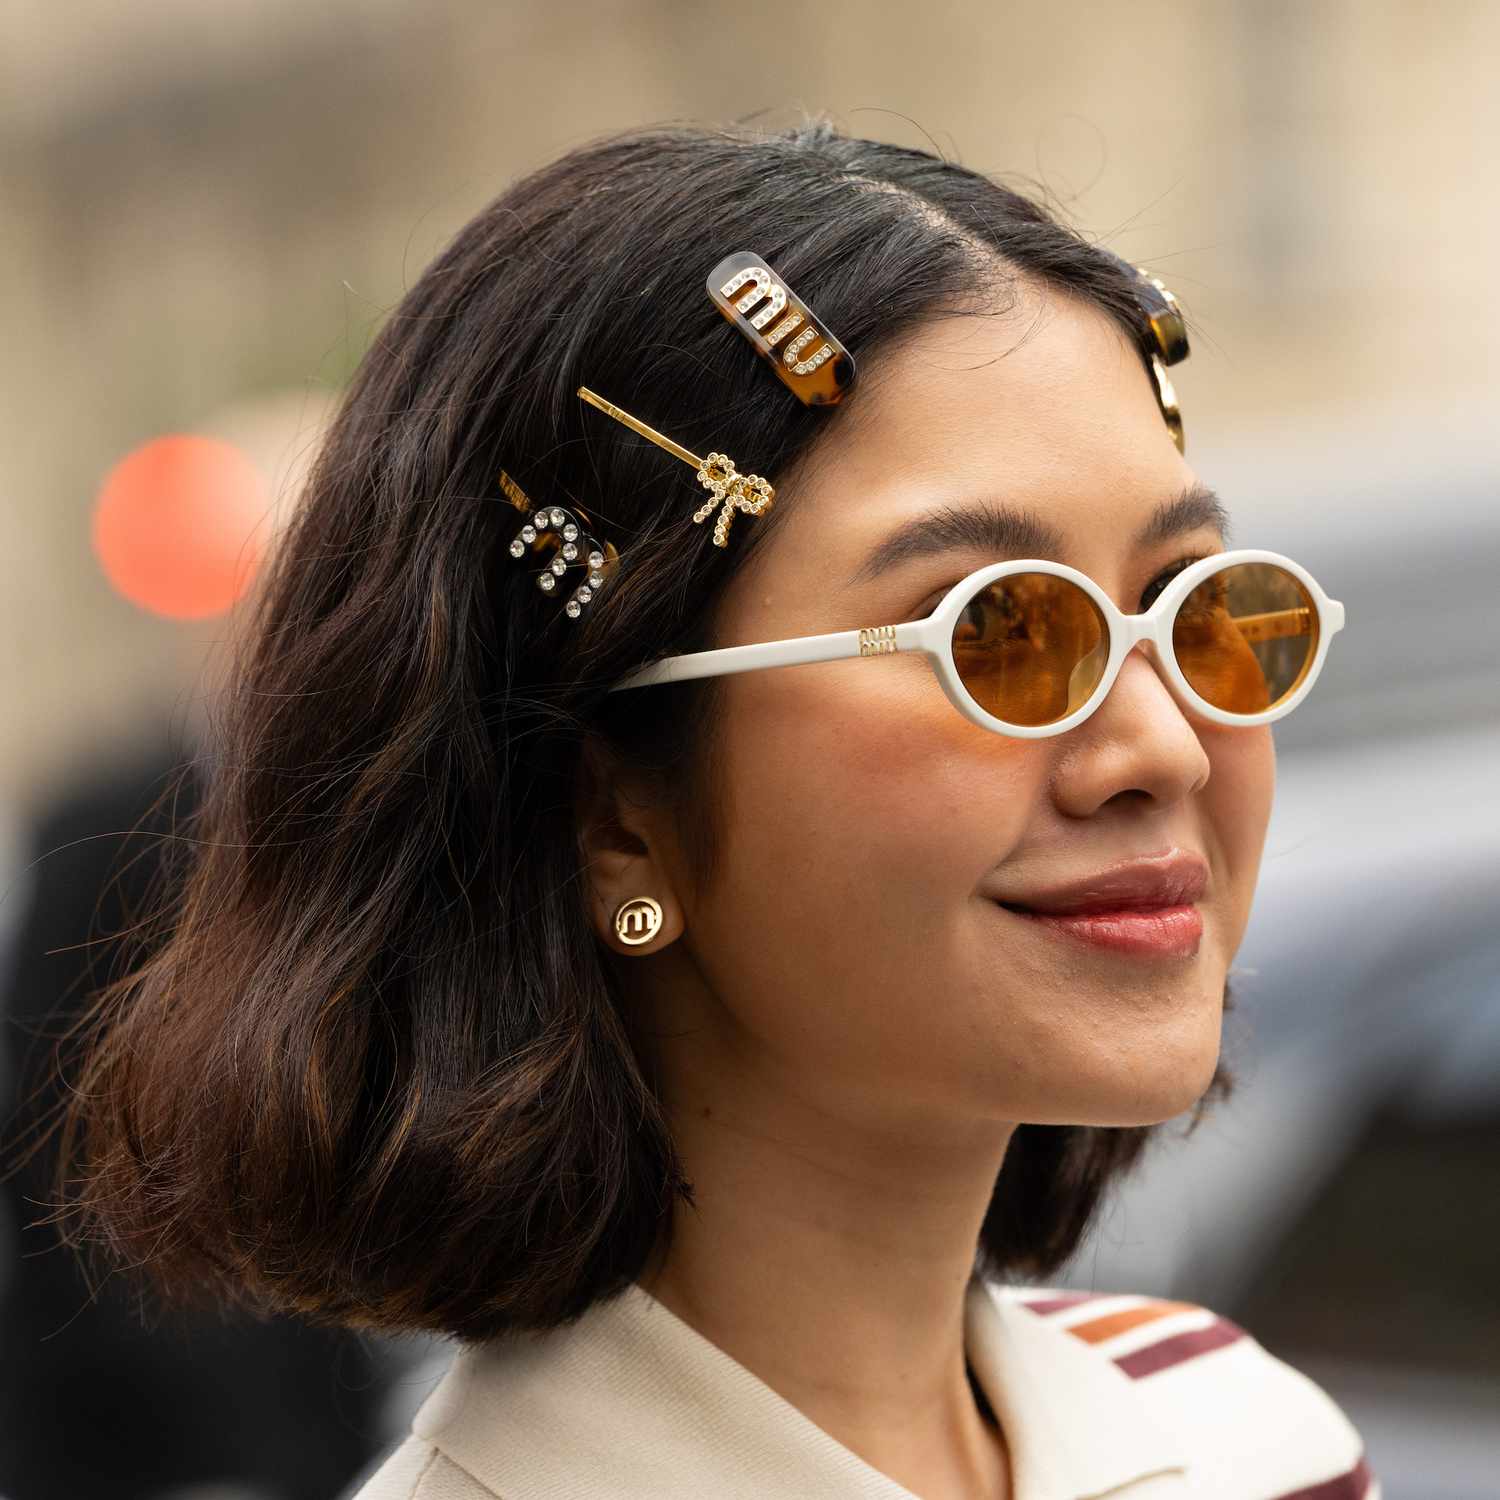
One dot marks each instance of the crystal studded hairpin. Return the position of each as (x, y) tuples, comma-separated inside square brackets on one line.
[(564, 532), (730, 490), (813, 364)]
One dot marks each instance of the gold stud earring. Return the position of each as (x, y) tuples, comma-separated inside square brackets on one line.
[(638, 920)]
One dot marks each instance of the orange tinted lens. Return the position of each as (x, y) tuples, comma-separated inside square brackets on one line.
[(1030, 648), (1246, 636)]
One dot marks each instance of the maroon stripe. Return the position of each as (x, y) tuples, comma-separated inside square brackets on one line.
[(1183, 1346), (1060, 1302), (1354, 1485)]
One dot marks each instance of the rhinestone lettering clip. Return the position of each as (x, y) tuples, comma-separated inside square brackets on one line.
[(814, 365), (564, 532)]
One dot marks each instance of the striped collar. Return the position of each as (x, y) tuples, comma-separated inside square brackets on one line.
[(1076, 1421), (634, 1395)]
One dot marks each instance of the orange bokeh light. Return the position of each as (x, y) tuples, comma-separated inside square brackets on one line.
[(179, 525)]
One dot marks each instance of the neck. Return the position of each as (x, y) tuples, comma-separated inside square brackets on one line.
[(829, 1251)]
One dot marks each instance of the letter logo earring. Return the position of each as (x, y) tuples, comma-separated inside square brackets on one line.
[(638, 920)]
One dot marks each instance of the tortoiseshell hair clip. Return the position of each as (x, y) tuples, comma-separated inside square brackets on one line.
[(1168, 337), (813, 365), (565, 532)]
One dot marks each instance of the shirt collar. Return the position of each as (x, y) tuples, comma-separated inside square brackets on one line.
[(1077, 1424), (633, 1395)]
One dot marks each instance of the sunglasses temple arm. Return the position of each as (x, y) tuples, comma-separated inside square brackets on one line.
[(797, 651)]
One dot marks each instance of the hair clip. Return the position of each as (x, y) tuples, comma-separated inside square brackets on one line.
[(1165, 318), (814, 366), (732, 490), (563, 531), (1166, 399), (1168, 334), (1168, 330)]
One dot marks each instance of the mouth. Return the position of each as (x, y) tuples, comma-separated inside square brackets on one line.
[(1144, 931)]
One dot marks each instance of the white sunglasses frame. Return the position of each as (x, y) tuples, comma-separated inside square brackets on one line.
[(933, 636)]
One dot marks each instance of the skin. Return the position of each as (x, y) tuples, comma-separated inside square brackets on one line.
[(846, 1028)]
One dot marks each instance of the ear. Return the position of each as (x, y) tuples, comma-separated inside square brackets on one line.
[(624, 840)]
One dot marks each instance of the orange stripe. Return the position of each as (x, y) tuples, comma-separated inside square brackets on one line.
[(1096, 1330)]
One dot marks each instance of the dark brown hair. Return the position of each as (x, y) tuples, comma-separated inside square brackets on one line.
[(371, 1064)]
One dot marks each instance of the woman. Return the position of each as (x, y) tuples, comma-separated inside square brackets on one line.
[(697, 1055)]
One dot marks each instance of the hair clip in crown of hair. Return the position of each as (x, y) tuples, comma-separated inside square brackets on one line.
[(732, 490), (563, 531), (813, 365)]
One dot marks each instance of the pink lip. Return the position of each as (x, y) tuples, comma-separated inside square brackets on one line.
[(1154, 932), (1175, 877), (1145, 905)]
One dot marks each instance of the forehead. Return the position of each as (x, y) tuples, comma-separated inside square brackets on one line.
[(1046, 408)]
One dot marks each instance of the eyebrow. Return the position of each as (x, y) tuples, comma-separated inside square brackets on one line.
[(993, 526)]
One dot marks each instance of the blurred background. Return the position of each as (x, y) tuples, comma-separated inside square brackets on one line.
[(207, 207)]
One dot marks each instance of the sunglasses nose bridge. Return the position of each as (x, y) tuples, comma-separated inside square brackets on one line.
[(1139, 628), (1138, 632)]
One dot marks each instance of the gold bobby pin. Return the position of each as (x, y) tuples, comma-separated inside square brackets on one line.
[(731, 490)]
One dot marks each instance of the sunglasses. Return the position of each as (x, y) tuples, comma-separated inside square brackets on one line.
[(1031, 647)]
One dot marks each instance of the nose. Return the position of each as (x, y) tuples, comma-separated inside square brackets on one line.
[(1138, 740)]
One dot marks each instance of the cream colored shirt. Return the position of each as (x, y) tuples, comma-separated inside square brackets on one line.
[(1098, 1394)]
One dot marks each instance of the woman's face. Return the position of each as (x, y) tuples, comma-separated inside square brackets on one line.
[(852, 941)]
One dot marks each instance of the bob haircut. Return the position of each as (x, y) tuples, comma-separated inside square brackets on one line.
[(369, 1064)]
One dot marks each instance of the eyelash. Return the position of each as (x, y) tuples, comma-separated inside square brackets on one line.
[(1171, 571), (1164, 577)]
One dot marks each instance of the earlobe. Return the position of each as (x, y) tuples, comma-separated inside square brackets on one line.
[(633, 909)]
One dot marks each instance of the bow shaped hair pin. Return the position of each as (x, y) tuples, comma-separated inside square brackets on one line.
[(731, 490)]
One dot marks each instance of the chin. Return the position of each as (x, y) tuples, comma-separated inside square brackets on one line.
[(1165, 1093), (1139, 1085)]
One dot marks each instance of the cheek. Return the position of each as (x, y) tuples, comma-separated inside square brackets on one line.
[(1237, 809), (884, 791), (863, 811)]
